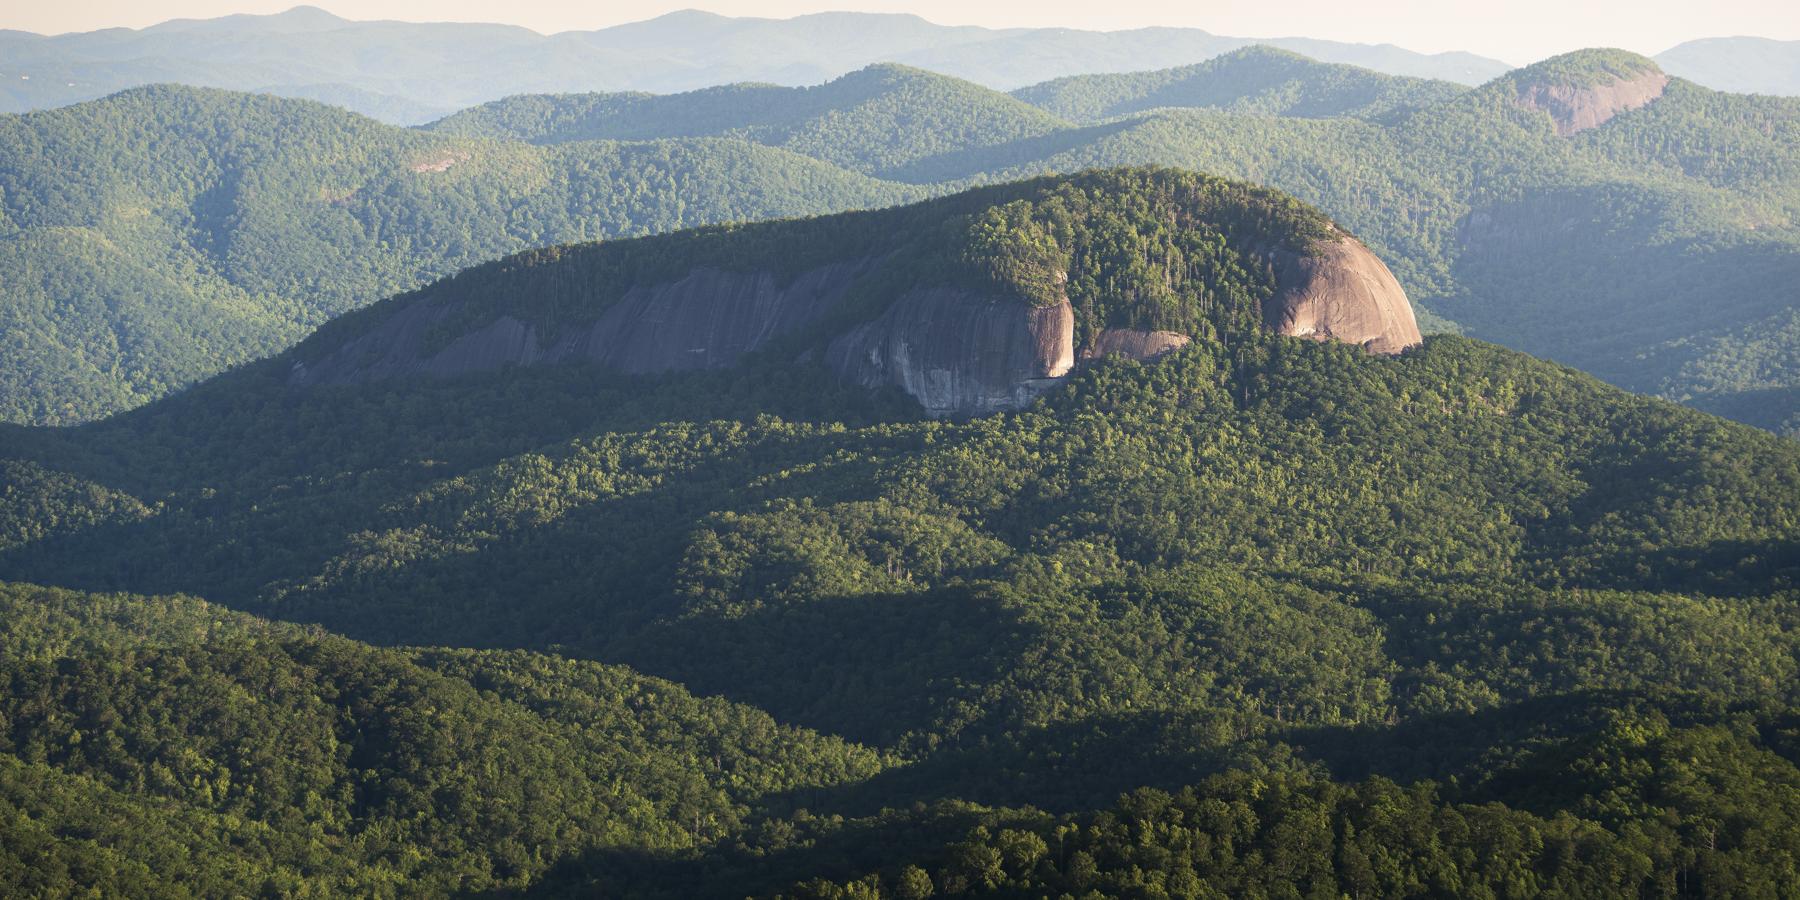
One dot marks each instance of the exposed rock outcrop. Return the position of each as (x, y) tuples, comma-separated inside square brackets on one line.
[(1341, 291), (706, 320), (1132, 343), (1577, 107), (958, 352)]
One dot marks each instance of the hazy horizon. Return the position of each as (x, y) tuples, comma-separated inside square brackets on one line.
[(1516, 33)]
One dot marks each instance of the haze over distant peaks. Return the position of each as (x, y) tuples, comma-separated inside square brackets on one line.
[(407, 73), (1742, 65)]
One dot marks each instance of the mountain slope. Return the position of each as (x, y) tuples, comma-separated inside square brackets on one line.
[(1288, 574), (1253, 80), (164, 234), (875, 121)]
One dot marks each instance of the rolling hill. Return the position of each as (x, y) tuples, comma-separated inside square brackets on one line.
[(1259, 603)]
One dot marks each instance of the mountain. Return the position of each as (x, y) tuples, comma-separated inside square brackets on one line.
[(1743, 65), (163, 234), (987, 299), (398, 71), (883, 120), (1253, 80), (1587, 208), (1260, 609), (1584, 209)]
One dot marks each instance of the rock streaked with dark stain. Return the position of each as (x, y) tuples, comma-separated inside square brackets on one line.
[(958, 352), (708, 319), (1133, 343)]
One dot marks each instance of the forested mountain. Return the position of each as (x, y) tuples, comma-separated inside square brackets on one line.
[(1257, 79), (1586, 208), (1652, 248), (883, 120), (401, 71), (163, 234), (1450, 620)]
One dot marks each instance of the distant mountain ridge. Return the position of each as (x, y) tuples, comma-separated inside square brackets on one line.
[(1743, 65), (238, 222), (884, 120), (1257, 79), (402, 72)]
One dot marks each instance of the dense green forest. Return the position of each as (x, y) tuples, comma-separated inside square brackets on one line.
[(1264, 616)]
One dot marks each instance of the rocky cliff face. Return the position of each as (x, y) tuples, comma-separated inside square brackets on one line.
[(958, 352), (1341, 291), (1575, 108), (707, 320), (1132, 343)]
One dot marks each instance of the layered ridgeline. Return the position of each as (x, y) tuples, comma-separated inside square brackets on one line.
[(1587, 208), (401, 71), (1253, 80), (885, 120), (1580, 209), (161, 235), (1451, 620), (969, 304)]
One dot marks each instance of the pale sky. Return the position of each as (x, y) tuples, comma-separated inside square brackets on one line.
[(1517, 31)]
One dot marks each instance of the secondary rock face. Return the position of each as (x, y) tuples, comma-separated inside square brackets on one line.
[(959, 353), (1341, 291), (1132, 343), (706, 320), (1576, 108)]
